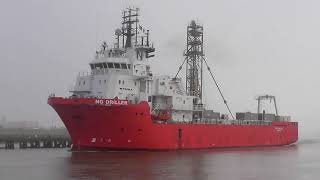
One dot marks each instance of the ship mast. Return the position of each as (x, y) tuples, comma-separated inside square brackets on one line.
[(130, 18), (132, 31)]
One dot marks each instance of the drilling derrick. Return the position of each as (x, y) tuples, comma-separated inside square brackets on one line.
[(194, 61)]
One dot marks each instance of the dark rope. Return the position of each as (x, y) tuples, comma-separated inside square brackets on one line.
[(180, 68), (224, 100)]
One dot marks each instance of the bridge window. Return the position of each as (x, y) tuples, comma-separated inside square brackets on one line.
[(92, 66), (99, 65), (117, 65), (104, 65), (129, 66), (110, 65), (123, 66)]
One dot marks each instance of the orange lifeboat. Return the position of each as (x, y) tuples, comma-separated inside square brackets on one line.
[(161, 116)]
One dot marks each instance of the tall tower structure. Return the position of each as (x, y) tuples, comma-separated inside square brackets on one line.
[(194, 61), (130, 19), (134, 35)]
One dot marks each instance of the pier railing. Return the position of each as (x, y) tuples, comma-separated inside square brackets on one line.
[(34, 138)]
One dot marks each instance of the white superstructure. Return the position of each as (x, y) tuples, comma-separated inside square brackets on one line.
[(125, 73)]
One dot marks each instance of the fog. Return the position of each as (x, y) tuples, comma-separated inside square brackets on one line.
[(255, 47)]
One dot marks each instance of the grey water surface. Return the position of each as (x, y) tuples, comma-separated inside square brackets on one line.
[(295, 162)]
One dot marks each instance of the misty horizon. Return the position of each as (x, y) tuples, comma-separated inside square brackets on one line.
[(255, 47)]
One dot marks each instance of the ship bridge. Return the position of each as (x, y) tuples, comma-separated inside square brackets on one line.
[(121, 70)]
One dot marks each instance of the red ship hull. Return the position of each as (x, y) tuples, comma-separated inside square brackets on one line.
[(129, 127)]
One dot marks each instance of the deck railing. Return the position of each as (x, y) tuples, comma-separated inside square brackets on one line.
[(198, 107)]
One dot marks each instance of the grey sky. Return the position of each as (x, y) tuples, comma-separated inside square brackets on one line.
[(255, 47)]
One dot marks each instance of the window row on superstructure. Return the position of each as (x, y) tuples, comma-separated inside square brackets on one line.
[(83, 82), (110, 65)]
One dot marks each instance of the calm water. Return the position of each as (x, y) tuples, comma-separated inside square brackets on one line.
[(301, 161)]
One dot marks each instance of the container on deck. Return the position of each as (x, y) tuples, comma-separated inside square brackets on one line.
[(266, 117), (246, 116), (209, 114), (283, 118)]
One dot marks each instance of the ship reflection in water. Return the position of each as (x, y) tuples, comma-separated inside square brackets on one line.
[(271, 163), (295, 162)]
